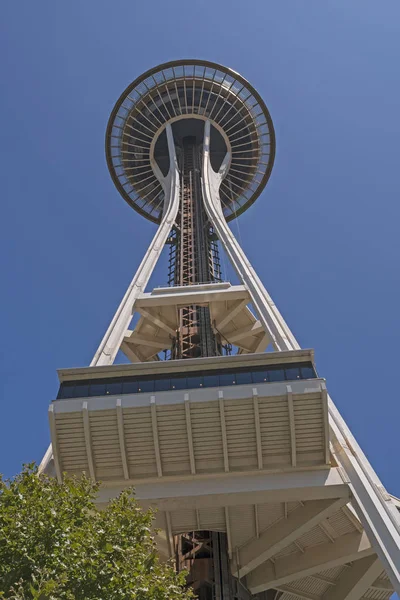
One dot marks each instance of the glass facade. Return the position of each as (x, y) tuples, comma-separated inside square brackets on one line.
[(183, 381)]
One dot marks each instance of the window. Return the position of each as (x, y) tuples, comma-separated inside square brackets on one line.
[(227, 378), (292, 373), (260, 376), (243, 377), (146, 385), (178, 383), (161, 385), (130, 387), (276, 375), (97, 389), (211, 380), (307, 372), (66, 391), (195, 381), (81, 391), (114, 387)]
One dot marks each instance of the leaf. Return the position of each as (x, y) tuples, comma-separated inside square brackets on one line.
[(56, 545)]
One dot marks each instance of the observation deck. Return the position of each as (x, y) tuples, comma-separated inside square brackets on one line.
[(185, 94), (190, 417)]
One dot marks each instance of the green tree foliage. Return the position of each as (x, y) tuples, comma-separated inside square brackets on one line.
[(55, 544)]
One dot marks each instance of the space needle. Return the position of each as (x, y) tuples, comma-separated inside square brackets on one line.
[(218, 418)]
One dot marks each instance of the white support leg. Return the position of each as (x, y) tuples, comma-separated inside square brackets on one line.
[(114, 336), (373, 505), (280, 334)]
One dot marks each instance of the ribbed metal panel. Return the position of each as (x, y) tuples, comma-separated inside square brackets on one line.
[(290, 596), (311, 585), (212, 519), (375, 594), (333, 573), (214, 426), (183, 520), (242, 524), (173, 440), (291, 549), (341, 523), (71, 443), (275, 430), (312, 538), (241, 433), (309, 426), (105, 444), (268, 514), (139, 442), (207, 436)]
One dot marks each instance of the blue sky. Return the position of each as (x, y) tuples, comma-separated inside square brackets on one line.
[(324, 235)]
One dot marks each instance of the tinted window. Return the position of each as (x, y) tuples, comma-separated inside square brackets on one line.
[(195, 382), (146, 385), (276, 375), (114, 388), (227, 379), (160, 385), (211, 380), (78, 389), (81, 391), (178, 383), (293, 373), (260, 376), (307, 372), (243, 378), (66, 390), (97, 389), (130, 387)]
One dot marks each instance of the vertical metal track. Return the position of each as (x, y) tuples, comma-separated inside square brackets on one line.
[(193, 258)]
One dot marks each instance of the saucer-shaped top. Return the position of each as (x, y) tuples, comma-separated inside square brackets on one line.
[(190, 90)]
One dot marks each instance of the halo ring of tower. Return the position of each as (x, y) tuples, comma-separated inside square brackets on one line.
[(198, 90)]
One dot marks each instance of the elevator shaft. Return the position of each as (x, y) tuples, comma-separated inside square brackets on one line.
[(196, 258)]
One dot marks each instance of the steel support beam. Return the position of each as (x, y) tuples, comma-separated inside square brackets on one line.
[(348, 548), (230, 489), (356, 580), (273, 322), (110, 344), (283, 533)]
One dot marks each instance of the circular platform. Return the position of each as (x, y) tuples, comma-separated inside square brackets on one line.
[(186, 93)]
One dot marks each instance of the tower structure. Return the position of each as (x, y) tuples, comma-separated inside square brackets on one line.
[(261, 488)]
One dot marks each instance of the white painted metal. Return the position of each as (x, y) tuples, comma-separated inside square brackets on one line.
[(347, 548), (160, 318), (52, 451), (121, 435), (272, 320), (232, 489), (283, 533), (209, 430), (114, 336), (355, 582)]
